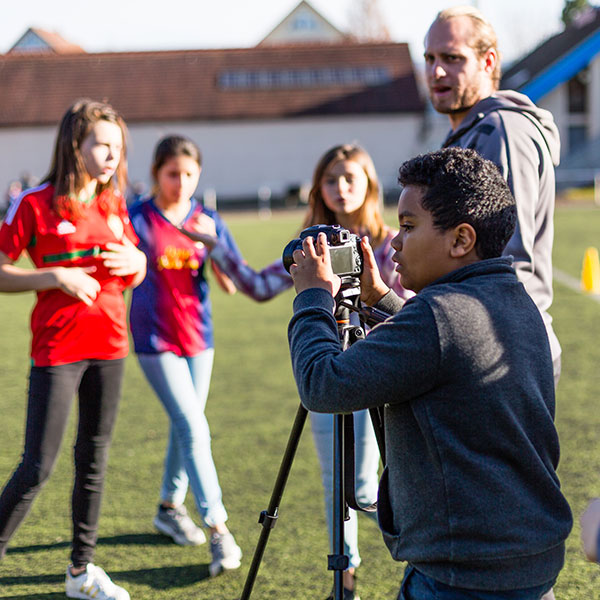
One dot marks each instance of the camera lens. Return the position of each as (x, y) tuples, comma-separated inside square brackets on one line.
[(288, 251)]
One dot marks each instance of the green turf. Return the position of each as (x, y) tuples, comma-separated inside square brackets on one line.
[(251, 409)]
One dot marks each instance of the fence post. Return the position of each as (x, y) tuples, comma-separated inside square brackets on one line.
[(210, 198), (264, 202)]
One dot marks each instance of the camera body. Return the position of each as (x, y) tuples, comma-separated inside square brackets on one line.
[(344, 249)]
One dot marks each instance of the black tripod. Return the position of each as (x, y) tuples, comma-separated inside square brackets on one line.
[(343, 452)]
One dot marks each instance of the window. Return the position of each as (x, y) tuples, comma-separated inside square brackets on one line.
[(304, 23), (578, 92), (305, 78)]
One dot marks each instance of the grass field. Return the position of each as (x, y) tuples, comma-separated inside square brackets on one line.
[(251, 409)]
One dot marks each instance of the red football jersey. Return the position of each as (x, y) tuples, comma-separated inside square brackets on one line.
[(65, 329)]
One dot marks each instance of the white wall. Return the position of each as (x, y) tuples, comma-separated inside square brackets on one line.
[(557, 103), (594, 98), (26, 150), (240, 157)]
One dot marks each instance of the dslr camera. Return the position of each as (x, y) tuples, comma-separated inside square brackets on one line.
[(344, 248)]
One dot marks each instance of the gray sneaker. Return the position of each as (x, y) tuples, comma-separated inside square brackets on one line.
[(226, 554), (176, 523)]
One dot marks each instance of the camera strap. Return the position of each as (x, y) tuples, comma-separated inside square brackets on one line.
[(349, 468)]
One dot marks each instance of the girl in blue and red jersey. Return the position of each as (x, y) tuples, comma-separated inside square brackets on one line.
[(76, 231), (172, 330), (345, 191)]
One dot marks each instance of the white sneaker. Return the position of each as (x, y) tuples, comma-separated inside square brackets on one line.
[(176, 523), (95, 584), (226, 554)]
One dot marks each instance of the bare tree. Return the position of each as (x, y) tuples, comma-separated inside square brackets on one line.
[(366, 21), (572, 9)]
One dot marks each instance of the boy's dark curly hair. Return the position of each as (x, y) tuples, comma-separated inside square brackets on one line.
[(460, 186)]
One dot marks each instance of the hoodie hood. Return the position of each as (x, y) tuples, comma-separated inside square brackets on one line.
[(512, 101)]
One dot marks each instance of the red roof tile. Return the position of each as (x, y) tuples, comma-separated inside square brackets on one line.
[(185, 85)]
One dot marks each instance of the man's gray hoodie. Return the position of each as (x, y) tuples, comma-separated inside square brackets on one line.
[(522, 139)]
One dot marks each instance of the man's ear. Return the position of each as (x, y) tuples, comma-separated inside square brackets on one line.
[(490, 59), (463, 241)]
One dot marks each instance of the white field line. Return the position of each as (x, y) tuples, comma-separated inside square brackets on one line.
[(573, 284)]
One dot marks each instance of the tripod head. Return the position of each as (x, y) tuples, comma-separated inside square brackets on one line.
[(349, 292), (347, 300)]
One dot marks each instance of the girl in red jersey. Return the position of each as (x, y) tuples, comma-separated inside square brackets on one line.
[(75, 228)]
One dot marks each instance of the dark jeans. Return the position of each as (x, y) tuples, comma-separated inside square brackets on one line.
[(416, 586), (51, 391)]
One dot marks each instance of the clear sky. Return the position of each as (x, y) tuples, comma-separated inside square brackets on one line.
[(130, 25)]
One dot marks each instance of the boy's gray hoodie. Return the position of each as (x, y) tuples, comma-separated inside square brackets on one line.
[(470, 494), (522, 139)]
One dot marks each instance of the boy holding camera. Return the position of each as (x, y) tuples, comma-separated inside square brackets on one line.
[(469, 496)]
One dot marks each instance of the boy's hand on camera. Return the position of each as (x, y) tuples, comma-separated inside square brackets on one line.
[(372, 287), (312, 267), (590, 527)]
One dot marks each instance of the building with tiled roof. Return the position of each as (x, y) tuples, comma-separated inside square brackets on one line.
[(304, 25), (40, 41), (214, 85), (262, 116), (263, 113)]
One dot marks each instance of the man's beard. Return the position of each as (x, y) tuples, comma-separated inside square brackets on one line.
[(465, 103)]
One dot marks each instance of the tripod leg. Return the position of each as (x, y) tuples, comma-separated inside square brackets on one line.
[(268, 517), (338, 561)]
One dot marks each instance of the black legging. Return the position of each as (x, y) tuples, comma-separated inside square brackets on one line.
[(51, 391)]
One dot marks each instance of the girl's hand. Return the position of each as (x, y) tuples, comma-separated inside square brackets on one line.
[(372, 286), (312, 266), (224, 282), (124, 259), (203, 231), (76, 282)]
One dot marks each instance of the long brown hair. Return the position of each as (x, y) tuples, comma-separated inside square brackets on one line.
[(369, 214), (67, 171)]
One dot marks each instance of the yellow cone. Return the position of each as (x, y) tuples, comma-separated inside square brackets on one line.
[(590, 272)]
